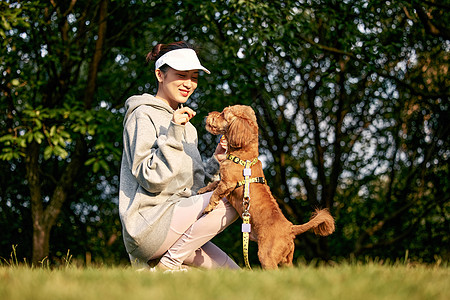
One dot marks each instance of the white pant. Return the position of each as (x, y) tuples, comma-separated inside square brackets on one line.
[(188, 239)]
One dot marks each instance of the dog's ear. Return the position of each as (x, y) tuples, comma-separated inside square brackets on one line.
[(214, 124), (242, 126)]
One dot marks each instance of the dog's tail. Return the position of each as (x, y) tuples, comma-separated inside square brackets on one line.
[(321, 222)]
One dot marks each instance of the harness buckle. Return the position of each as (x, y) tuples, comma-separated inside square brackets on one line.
[(246, 227)]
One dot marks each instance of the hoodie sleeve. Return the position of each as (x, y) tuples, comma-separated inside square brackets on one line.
[(212, 167), (154, 161)]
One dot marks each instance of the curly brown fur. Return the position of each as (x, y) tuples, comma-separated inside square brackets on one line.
[(273, 232)]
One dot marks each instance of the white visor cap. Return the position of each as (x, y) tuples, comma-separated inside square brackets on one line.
[(181, 60)]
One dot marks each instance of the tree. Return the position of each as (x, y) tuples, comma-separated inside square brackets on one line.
[(57, 126), (351, 98), (48, 121), (346, 112)]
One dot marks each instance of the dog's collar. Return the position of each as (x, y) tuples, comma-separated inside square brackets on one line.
[(252, 180), (239, 161)]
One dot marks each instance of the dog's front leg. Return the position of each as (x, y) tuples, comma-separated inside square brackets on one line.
[(222, 190), (210, 187)]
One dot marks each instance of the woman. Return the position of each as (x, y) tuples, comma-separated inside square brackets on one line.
[(162, 170)]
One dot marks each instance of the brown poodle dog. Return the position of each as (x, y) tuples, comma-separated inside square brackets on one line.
[(273, 232)]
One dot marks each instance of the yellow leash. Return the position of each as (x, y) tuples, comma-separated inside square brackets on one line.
[(246, 227), (245, 238)]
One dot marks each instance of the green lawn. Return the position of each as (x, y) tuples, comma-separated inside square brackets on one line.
[(346, 281)]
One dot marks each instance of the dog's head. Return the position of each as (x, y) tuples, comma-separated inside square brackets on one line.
[(237, 123)]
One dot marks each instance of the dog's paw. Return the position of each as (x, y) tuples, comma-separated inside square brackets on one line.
[(208, 209), (202, 190), (209, 188)]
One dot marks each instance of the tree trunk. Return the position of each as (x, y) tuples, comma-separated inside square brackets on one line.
[(41, 241), (44, 219), (40, 247)]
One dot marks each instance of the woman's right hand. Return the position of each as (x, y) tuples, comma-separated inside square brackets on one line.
[(221, 149), (182, 115)]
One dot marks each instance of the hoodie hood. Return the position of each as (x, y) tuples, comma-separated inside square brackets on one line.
[(145, 99)]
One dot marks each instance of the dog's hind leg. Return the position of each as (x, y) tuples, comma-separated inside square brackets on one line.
[(267, 255), (268, 263), (287, 261)]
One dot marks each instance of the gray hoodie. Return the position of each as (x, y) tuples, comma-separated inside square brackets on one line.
[(161, 166)]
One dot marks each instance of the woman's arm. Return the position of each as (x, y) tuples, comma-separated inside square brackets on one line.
[(212, 166), (154, 161)]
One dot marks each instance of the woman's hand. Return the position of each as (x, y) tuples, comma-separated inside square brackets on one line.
[(182, 115), (221, 149)]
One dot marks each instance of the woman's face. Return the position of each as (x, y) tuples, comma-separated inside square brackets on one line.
[(176, 87)]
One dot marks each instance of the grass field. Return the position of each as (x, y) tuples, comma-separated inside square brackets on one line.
[(346, 281)]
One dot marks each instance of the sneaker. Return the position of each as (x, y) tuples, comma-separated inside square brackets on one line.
[(147, 269), (181, 269)]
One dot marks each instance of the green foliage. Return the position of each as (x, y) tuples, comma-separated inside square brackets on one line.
[(56, 129)]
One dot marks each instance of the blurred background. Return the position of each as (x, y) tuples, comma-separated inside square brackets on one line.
[(352, 100)]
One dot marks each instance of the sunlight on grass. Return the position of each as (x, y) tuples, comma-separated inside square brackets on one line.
[(345, 281)]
